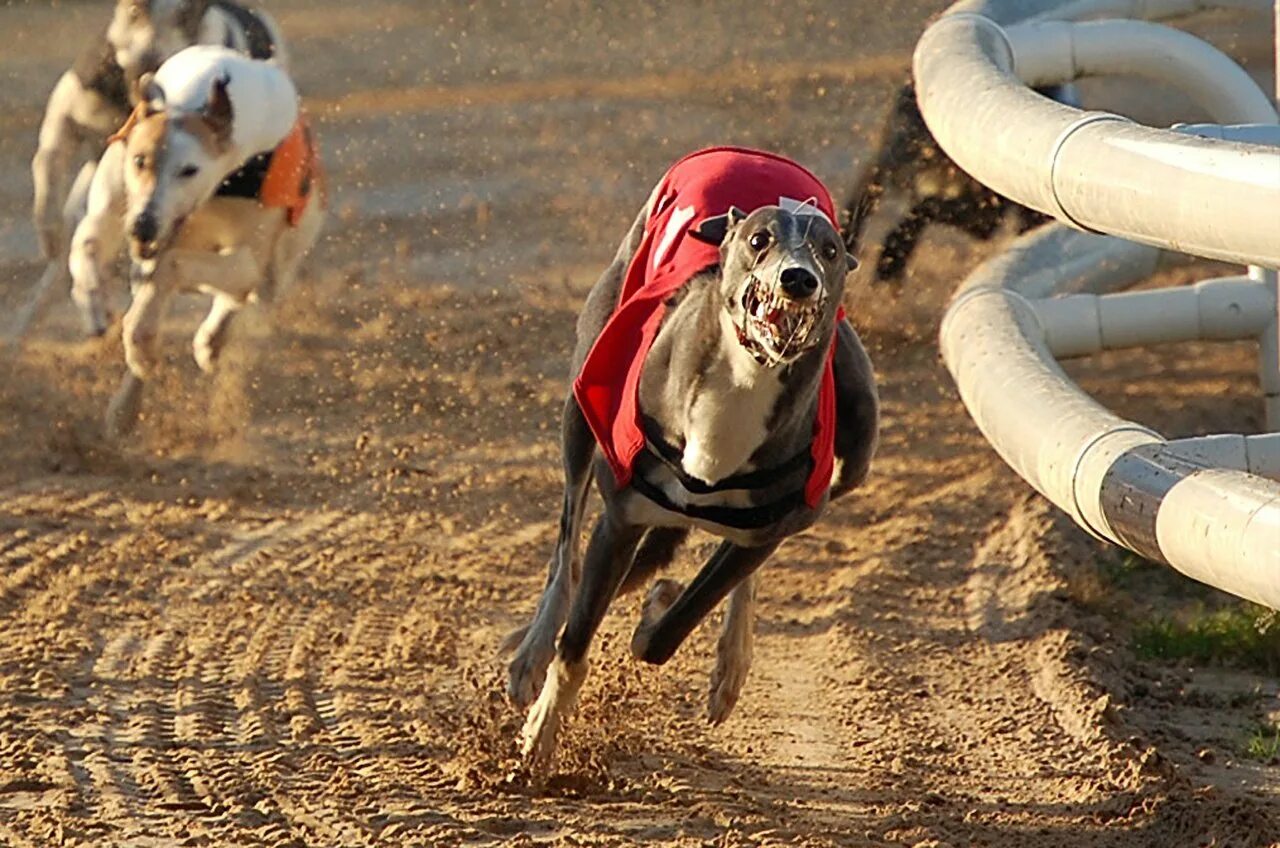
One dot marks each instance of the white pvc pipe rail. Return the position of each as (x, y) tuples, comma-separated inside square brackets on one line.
[(1057, 51), (1149, 10), (1203, 505), (1119, 480), (1226, 309), (1105, 173)]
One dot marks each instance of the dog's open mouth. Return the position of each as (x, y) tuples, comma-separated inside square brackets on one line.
[(775, 328), (147, 250)]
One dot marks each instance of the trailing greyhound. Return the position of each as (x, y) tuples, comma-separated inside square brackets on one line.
[(911, 163), (95, 95), (215, 183), (717, 386)]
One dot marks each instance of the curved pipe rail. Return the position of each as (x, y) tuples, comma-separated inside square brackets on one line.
[(1056, 52), (1012, 11), (1197, 504), (1119, 480), (1157, 187), (1150, 10)]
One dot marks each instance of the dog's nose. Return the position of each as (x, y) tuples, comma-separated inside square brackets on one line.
[(799, 283), (145, 228)]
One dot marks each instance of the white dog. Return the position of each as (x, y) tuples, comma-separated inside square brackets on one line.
[(216, 186), (96, 94)]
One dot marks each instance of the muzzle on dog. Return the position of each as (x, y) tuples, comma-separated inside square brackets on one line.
[(778, 321)]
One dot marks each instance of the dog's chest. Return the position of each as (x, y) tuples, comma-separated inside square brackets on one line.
[(726, 419), (223, 224)]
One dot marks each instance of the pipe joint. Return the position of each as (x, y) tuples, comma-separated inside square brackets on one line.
[(1055, 156), (1025, 314), (1089, 469)]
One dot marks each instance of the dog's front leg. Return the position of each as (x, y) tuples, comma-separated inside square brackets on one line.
[(733, 651), (98, 238), (212, 334), (609, 556), (536, 643), (141, 334), (59, 139), (666, 623)]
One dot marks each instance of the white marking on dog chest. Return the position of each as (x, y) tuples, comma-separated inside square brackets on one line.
[(728, 419)]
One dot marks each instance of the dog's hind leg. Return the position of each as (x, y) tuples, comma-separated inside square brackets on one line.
[(657, 550), (609, 556), (901, 242), (667, 622), (535, 644), (212, 333)]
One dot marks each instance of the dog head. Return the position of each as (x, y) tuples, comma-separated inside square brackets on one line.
[(174, 162), (144, 33), (782, 278)]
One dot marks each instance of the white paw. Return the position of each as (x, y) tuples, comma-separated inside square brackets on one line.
[(542, 726), (206, 355), (51, 241), (661, 596), (538, 737), (139, 354)]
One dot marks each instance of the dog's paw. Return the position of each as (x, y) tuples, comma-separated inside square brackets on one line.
[(727, 678), (538, 736), (125, 406), (140, 354), (206, 355), (542, 726), (660, 598), (528, 669), (52, 239)]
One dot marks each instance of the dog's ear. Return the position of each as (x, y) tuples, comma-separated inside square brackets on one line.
[(217, 110), (190, 15), (851, 261), (714, 230), (150, 94)]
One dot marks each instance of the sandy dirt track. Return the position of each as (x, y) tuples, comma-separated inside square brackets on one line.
[(271, 619)]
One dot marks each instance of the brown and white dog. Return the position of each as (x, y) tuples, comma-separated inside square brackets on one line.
[(95, 95), (215, 185)]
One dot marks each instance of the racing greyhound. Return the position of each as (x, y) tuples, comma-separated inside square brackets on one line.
[(215, 182), (910, 162), (93, 97), (717, 386)]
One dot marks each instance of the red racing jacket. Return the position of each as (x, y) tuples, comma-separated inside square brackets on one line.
[(701, 185)]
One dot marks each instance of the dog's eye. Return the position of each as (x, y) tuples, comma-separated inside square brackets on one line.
[(829, 251), (188, 172), (139, 161), (759, 240)]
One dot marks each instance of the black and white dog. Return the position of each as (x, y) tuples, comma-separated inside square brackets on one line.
[(717, 387), (95, 96), (910, 162)]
